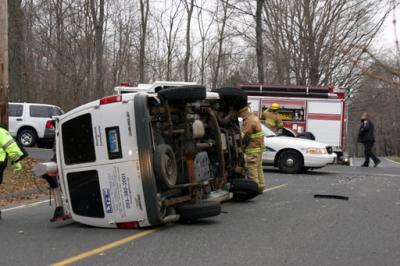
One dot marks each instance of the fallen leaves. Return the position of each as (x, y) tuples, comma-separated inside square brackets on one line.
[(22, 185)]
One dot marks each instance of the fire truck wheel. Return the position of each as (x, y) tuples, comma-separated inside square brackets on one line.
[(184, 94), (290, 162), (193, 212), (165, 167), (235, 97), (243, 189)]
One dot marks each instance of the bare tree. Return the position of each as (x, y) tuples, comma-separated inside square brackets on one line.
[(259, 41), (204, 31), (312, 36), (226, 12), (189, 11), (97, 12), (170, 30), (144, 15), (16, 53)]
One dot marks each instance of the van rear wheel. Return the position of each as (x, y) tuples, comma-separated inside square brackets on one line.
[(165, 167)]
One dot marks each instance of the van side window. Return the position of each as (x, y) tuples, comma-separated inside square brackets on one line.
[(15, 109), (77, 138), (40, 111)]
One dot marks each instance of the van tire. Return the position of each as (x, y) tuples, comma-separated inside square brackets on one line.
[(183, 94), (235, 97), (193, 212), (27, 137), (243, 189), (165, 168)]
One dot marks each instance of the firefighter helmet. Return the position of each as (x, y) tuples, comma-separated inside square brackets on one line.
[(275, 106)]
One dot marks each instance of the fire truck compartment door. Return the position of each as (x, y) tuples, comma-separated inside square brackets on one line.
[(324, 120), (254, 105)]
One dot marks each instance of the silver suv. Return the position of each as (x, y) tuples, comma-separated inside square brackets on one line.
[(30, 123)]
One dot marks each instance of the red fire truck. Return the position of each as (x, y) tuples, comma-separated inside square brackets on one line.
[(316, 109)]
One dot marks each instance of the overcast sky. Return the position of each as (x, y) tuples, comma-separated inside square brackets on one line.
[(386, 38)]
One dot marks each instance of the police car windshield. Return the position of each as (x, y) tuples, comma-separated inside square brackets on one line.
[(267, 132)]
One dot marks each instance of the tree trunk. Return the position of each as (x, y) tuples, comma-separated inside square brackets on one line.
[(16, 52), (98, 21), (189, 10), (144, 13), (3, 64), (259, 42)]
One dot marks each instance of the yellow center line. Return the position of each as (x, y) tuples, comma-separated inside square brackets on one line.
[(273, 188), (104, 248), (123, 241)]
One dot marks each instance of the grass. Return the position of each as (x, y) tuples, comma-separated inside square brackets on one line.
[(17, 186)]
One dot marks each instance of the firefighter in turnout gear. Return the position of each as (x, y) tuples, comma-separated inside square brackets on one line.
[(9, 151), (272, 118), (253, 142)]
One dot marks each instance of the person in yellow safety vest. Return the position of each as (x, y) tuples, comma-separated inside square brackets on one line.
[(253, 141), (9, 151), (272, 118)]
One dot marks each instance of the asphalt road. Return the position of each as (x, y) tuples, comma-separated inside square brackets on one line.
[(284, 226)]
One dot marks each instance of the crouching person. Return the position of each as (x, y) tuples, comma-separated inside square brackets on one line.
[(51, 173), (10, 152)]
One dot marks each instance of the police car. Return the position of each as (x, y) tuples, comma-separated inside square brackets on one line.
[(295, 154), (140, 159)]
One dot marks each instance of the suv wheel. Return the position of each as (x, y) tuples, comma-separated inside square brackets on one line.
[(27, 137)]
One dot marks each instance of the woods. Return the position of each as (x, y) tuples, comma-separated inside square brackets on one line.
[(68, 52)]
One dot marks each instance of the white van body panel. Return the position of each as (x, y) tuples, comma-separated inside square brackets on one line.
[(119, 179)]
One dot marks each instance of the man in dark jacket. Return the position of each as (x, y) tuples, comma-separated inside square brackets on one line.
[(367, 137)]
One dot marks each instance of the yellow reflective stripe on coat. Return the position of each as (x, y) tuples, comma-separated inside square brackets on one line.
[(257, 135), (5, 146), (250, 150)]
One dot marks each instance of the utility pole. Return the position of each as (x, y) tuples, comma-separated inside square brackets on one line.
[(3, 63)]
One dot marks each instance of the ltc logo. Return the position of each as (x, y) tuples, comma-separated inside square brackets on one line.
[(107, 200)]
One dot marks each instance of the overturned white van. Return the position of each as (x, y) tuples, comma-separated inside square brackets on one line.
[(138, 159)]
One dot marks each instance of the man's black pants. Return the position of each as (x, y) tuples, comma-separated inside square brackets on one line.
[(369, 153)]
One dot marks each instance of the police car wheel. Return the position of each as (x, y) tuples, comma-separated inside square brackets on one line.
[(290, 162), (165, 167), (27, 137)]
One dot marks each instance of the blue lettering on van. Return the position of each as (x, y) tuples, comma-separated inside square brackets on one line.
[(126, 191), (107, 200)]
